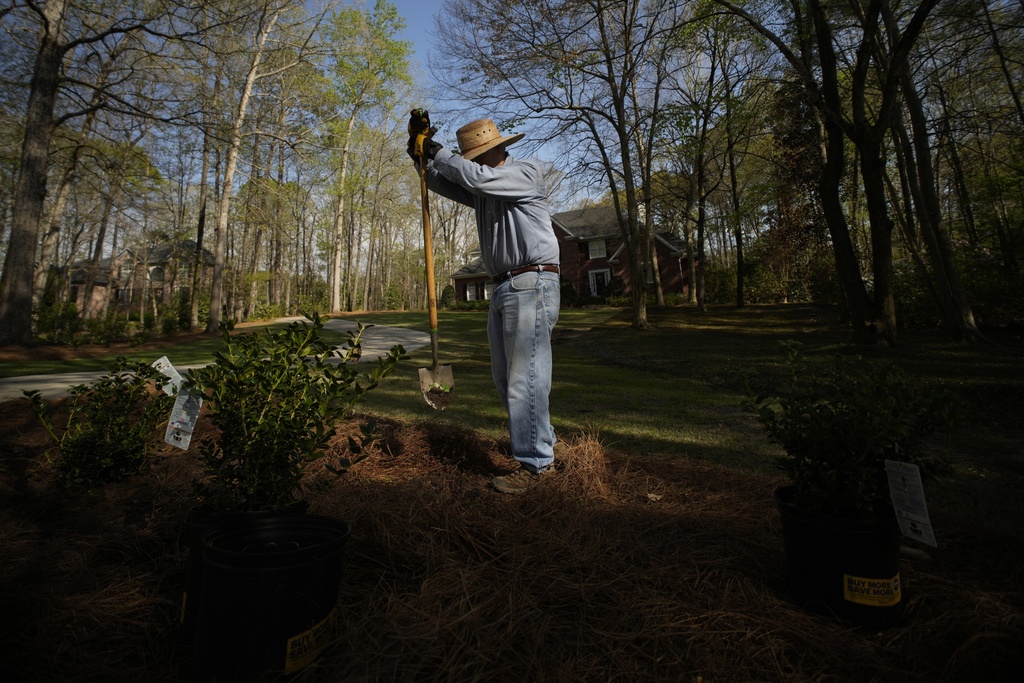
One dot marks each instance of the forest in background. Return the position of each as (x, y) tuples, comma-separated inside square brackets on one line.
[(865, 153)]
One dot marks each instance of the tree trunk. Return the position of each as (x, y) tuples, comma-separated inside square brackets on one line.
[(88, 309), (959, 177), (198, 262), (278, 269), (30, 192), (959, 316), (112, 270), (691, 254), (339, 219), (702, 304), (48, 248), (51, 242), (224, 211), (855, 295), (652, 255), (872, 169), (1003, 62), (737, 221)]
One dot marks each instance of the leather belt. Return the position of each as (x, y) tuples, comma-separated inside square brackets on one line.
[(542, 268)]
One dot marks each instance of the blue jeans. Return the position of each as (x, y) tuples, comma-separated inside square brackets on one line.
[(523, 311)]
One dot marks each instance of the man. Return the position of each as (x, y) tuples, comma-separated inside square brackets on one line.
[(520, 253)]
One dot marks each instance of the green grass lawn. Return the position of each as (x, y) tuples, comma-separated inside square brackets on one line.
[(675, 391)]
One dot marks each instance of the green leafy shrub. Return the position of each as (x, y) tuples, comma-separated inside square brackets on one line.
[(276, 399), (112, 426), (447, 297), (267, 311), (569, 295), (204, 308), (139, 337), (317, 298), (168, 323), (719, 283), (58, 322), (391, 299), (105, 331), (182, 308), (477, 305), (118, 328), (839, 424)]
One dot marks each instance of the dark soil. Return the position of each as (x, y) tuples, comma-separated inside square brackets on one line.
[(439, 399)]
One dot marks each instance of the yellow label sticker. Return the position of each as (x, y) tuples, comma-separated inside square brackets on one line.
[(874, 592), (304, 648)]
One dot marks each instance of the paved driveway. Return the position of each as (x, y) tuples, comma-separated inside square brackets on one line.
[(377, 341)]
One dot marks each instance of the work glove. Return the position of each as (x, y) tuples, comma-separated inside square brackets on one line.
[(430, 148), (420, 128)]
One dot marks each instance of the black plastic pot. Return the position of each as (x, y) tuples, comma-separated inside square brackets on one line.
[(848, 569), (200, 522), (270, 588)]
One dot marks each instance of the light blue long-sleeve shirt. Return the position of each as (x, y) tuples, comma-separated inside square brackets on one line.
[(512, 217)]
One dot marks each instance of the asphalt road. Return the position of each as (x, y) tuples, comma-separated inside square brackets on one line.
[(377, 341)]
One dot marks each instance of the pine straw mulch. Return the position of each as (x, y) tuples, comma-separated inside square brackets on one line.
[(617, 569)]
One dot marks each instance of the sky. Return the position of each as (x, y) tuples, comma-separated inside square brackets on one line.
[(419, 16), (419, 24)]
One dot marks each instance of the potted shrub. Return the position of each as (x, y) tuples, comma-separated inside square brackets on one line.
[(275, 397), (838, 424)]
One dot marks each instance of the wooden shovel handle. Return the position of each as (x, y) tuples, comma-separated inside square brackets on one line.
[(428, 246)]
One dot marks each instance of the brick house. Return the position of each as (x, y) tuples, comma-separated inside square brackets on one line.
[(139, 279), (592, 254)]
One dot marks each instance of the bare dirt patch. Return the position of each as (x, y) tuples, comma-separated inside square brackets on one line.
[(616, 569)]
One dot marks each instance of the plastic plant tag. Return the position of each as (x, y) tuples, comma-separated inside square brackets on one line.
[(183, 420), (908, 501), (164, 366)]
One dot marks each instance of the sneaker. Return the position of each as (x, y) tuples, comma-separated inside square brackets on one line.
[(519, 481)]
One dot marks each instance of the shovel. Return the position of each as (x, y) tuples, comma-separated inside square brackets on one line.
[(436, 382)]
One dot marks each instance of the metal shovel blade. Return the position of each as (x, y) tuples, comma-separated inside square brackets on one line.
[(438, 386)]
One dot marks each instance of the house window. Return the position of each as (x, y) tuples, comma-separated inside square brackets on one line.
[(596, 249), (599, 281), (478, 291)]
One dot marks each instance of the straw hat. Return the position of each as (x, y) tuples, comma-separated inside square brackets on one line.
[(476, 137)]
